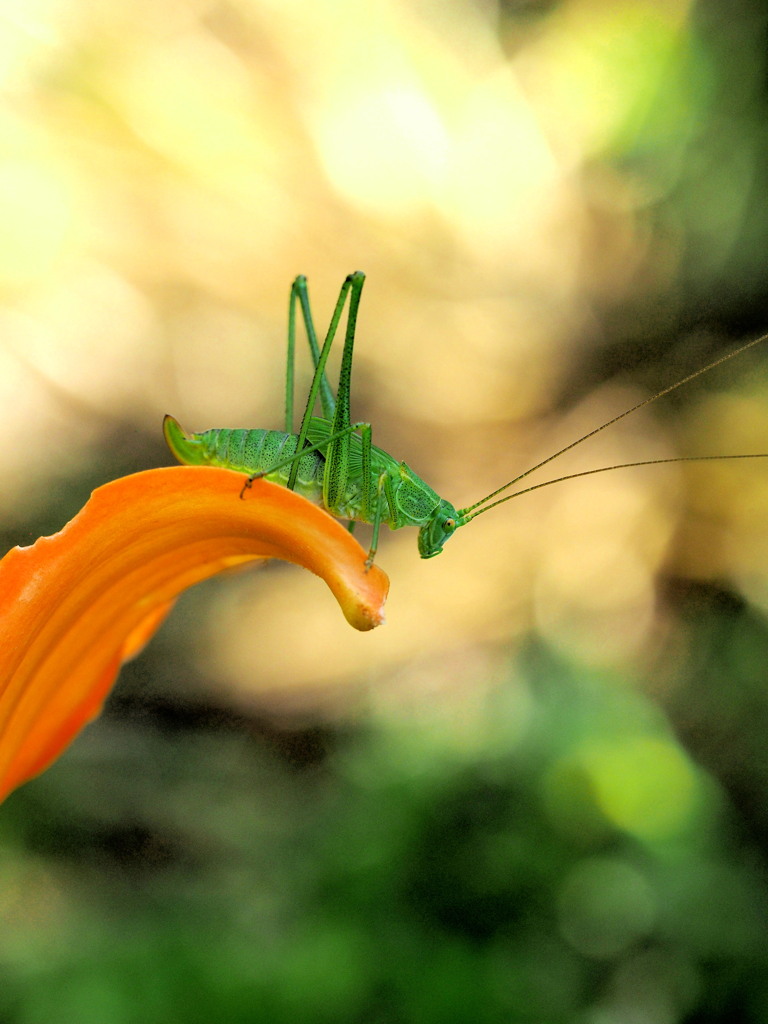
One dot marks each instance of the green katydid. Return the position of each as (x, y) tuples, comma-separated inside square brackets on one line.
[(332, 460)]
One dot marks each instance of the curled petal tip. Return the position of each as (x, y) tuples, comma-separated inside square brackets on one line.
[(365, 610)]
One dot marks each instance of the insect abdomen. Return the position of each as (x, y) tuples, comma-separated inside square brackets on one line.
[(248, 451), (255, 451)]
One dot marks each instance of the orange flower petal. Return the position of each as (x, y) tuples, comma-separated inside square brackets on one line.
[(74, 606)]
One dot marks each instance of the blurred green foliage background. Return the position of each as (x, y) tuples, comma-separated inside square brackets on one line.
[(540, 793)]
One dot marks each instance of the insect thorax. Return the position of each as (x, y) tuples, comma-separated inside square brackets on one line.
[(415, 500)]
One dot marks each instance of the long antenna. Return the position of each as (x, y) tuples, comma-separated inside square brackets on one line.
[(605, 469), (463, 512)]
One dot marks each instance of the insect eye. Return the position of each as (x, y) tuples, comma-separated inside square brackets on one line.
[(449, 524)]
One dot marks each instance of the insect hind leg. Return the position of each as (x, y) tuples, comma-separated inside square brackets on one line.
[(300, 294), (352, 286)]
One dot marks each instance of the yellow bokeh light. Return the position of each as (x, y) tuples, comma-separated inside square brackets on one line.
[(385, 148), (644, 785), (37, 211)]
